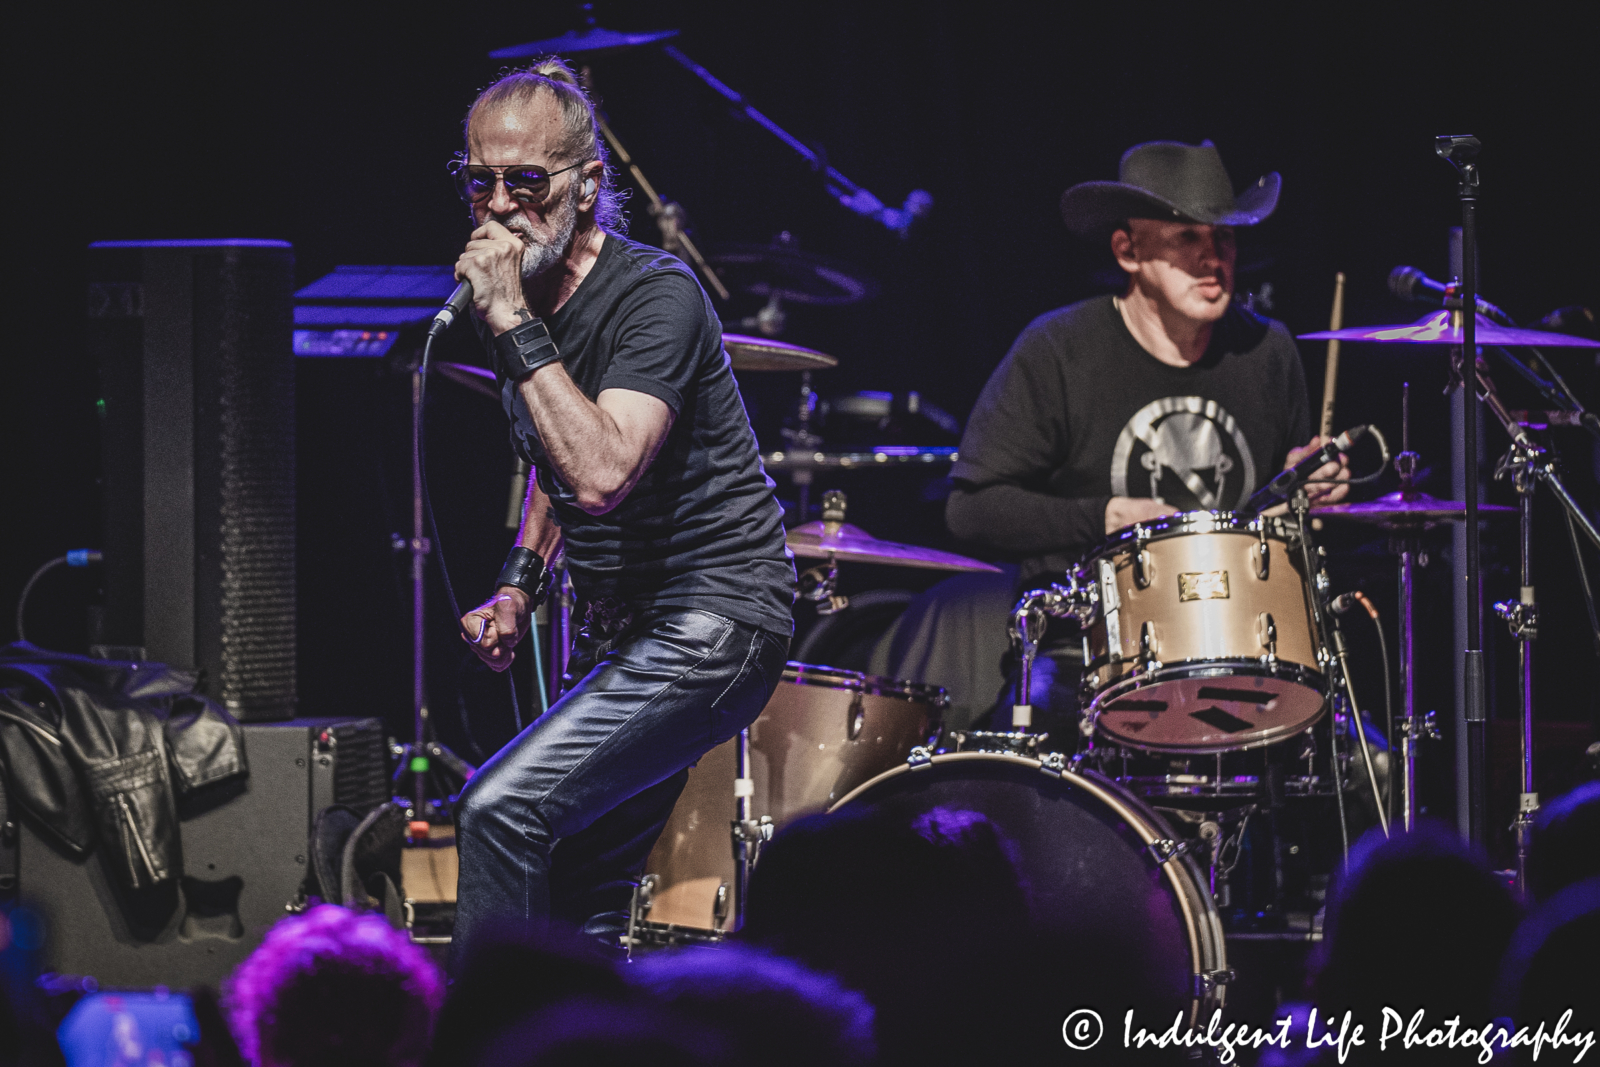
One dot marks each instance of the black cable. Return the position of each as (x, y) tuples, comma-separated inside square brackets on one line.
[(22, 601), (1388, 696), (1338, 782), (433, 525)]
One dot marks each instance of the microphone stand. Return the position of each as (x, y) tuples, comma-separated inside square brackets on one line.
[(842, 189), (1460, 152)]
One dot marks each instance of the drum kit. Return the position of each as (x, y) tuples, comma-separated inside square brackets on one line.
[(1205, 636)]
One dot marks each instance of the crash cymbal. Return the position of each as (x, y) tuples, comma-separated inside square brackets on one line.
[(478, 379), (816, 540), (783, 271), (763, 353), (590, 40), (1444, 328), (1409, 509)]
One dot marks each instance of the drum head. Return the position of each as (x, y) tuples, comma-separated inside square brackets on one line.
[(1096, 890)]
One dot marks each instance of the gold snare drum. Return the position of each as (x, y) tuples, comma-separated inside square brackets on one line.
[(1203, 639)]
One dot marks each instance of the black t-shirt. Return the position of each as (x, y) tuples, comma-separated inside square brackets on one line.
[(701, 529), (1078, 410)]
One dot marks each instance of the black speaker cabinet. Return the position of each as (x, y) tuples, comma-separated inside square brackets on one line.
[(193, 342), (244, 858)]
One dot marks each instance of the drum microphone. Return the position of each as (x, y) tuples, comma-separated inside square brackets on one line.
[(1283, 486), (1409, 283), (456, 306)]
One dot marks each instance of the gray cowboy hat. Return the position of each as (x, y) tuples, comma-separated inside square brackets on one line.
[(1168, 180)]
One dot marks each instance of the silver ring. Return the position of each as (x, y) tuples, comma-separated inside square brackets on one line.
[(481, 631)]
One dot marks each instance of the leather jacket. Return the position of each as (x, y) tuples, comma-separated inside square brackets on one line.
[(100, 750)]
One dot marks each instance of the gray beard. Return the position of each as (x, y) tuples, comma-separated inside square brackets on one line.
[(538, 257)]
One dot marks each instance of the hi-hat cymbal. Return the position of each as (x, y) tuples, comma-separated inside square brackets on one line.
[(816, 540), (1444, 328), (1409, 509), (794, 277), (590, 40), (763, 353)]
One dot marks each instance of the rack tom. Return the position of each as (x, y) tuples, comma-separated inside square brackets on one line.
[(1203, 639)]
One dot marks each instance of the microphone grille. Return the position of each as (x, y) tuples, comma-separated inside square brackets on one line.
[(1403, 282)]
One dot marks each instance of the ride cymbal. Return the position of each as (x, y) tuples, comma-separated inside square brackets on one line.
[(1410, 509), (1444, 328)]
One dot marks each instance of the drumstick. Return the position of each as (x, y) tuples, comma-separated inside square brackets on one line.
[(1330, 380)]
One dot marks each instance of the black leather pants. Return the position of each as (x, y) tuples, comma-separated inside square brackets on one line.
[(560, 821)]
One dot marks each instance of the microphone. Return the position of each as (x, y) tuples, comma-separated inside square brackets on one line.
[(1410, 284), (453, 308), (1283, 486)]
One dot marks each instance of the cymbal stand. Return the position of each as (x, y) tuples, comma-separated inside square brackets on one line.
[(1526, 463), (1406, 543), (800, 439)]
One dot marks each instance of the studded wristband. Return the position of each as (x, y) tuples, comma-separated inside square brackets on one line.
[(525, 348), (526, 571)]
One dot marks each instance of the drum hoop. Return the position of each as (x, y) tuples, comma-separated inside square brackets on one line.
[(798, 673), (1221, 667), (1210, 669), (1278, 528), (1202, 923)]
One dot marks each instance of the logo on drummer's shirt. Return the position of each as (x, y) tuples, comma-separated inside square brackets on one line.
[(1184, 451)]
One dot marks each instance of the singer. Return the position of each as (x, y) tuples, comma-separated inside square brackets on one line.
[(621, 397), (1167, 397)]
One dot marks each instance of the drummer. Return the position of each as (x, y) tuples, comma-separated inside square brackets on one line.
[(1167, 397)]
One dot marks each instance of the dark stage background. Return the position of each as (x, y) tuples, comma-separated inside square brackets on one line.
[(330, 127)]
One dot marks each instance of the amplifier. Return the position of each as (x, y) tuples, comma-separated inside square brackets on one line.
[(244, 859)]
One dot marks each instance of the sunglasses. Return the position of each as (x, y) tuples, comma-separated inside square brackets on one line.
[(525, 182)]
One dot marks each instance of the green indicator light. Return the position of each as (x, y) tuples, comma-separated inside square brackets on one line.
[(100, 407), (419, 764)]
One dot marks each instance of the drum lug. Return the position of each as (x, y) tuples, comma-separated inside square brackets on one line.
[(1165, 849), (920, 757), (855, 716), (1141, 558), (1206, 982), (1267, 634), (719, 910), (1149, 646), (1263, 555)]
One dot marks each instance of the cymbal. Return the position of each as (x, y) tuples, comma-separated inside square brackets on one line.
[(1444, 328), (816, 540), (763, 353), (1409, 509), (794, 276), (478, 379), (591, 39)]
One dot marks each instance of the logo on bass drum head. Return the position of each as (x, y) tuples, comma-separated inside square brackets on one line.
[(1184, 451)]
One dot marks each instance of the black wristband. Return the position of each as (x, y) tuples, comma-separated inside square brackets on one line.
[(526, 571), (525, 348)]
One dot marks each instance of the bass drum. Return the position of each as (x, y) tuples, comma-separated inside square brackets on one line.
[(1108, 880)]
